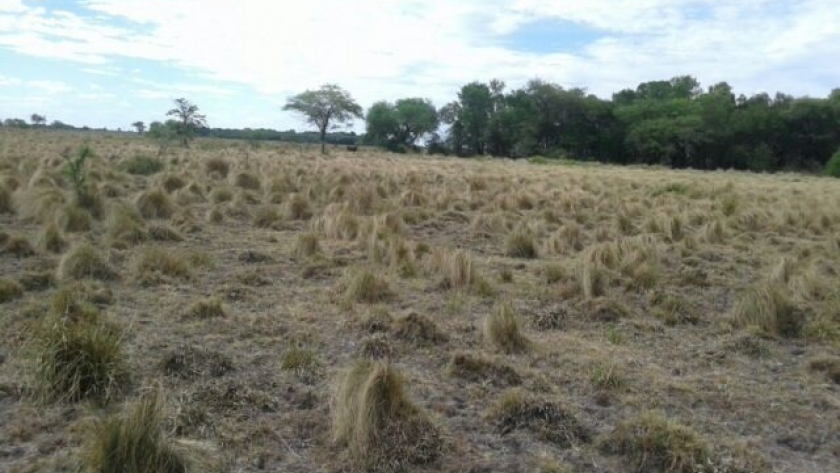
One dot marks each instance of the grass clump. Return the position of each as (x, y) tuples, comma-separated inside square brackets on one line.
[(298, 207), (164, 233), (217, 167), (124, 226), (828, 365), (377, 423), (501, 330), (143, 165), (74, 219), (767, 307), (300, 360), (247, 181), (476, 369), (50, 239), (207, 309), (156, 265), (367, 287), (6, 204), (85, 262), (79, 355), (266, 217), (135, 442), (10, 290), (155, 204), (654, 444), (521, 244), (18, 246), (418, 329), (550, 421), (306, 244), (607, 376), (376, 347)]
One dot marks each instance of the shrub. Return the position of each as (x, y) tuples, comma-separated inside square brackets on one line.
[(501, 329), (84, 262), (832, 167), (172, 183), (143, 165), (10, 290), (655, 444), (155, 204), (135, 442), (79, 355), (551, 421), (381, 428)]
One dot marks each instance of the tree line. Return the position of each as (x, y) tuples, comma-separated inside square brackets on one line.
[(674, 123)]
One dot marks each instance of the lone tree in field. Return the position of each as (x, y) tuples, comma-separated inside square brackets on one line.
[(324, 108), (38, 120), (188, 120), (139, 126)]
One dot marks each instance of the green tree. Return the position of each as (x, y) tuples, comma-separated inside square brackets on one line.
[(139, 126), (187, 120), (38, 120), (398, 126), (832, 167), (325, 108)]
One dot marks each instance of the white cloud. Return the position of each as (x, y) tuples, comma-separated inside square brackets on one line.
[(380, 49)]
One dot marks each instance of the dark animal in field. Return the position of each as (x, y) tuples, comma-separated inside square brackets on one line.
[(352, 148)]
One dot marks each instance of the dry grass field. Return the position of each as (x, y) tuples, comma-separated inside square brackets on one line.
[(249, 308)]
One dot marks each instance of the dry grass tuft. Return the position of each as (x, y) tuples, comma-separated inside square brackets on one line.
[(124, 226), (50, 239), (501, 330), (135, 442), (378, 424), (550, 421), (217, 167), (337, 223), (84, 262), (768, 307), (155, 265), (652, 443), (172, 183), (6, 203), (297, 207), (161, 232), (155, 204), (79, 355), (207, 309), (266, 217), (365, 286), (10, 290), (73, 219), (521, 244), (306, 245), (18, 246), (476, 369), (418, 329), (247, 181)]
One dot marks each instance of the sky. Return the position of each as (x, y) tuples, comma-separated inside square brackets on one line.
[(108, 63)]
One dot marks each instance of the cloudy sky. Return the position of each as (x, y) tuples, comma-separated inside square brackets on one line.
[(111, 62)]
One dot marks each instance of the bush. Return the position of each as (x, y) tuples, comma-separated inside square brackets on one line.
[(832, 167), (143, 165)]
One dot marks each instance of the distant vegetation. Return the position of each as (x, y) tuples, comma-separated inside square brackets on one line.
[(674, 123)]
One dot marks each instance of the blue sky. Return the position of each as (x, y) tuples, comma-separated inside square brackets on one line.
[(112, 62)]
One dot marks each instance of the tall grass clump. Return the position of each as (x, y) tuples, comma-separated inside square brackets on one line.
[(79, 355), (84, 262), (501, 330), (377, 423), (143, 165), (135, 441), (768, 307), (155, 204)]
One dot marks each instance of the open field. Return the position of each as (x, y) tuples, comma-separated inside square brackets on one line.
[(269, 309)]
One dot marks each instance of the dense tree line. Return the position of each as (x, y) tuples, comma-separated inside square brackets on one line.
[(674, 123)]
